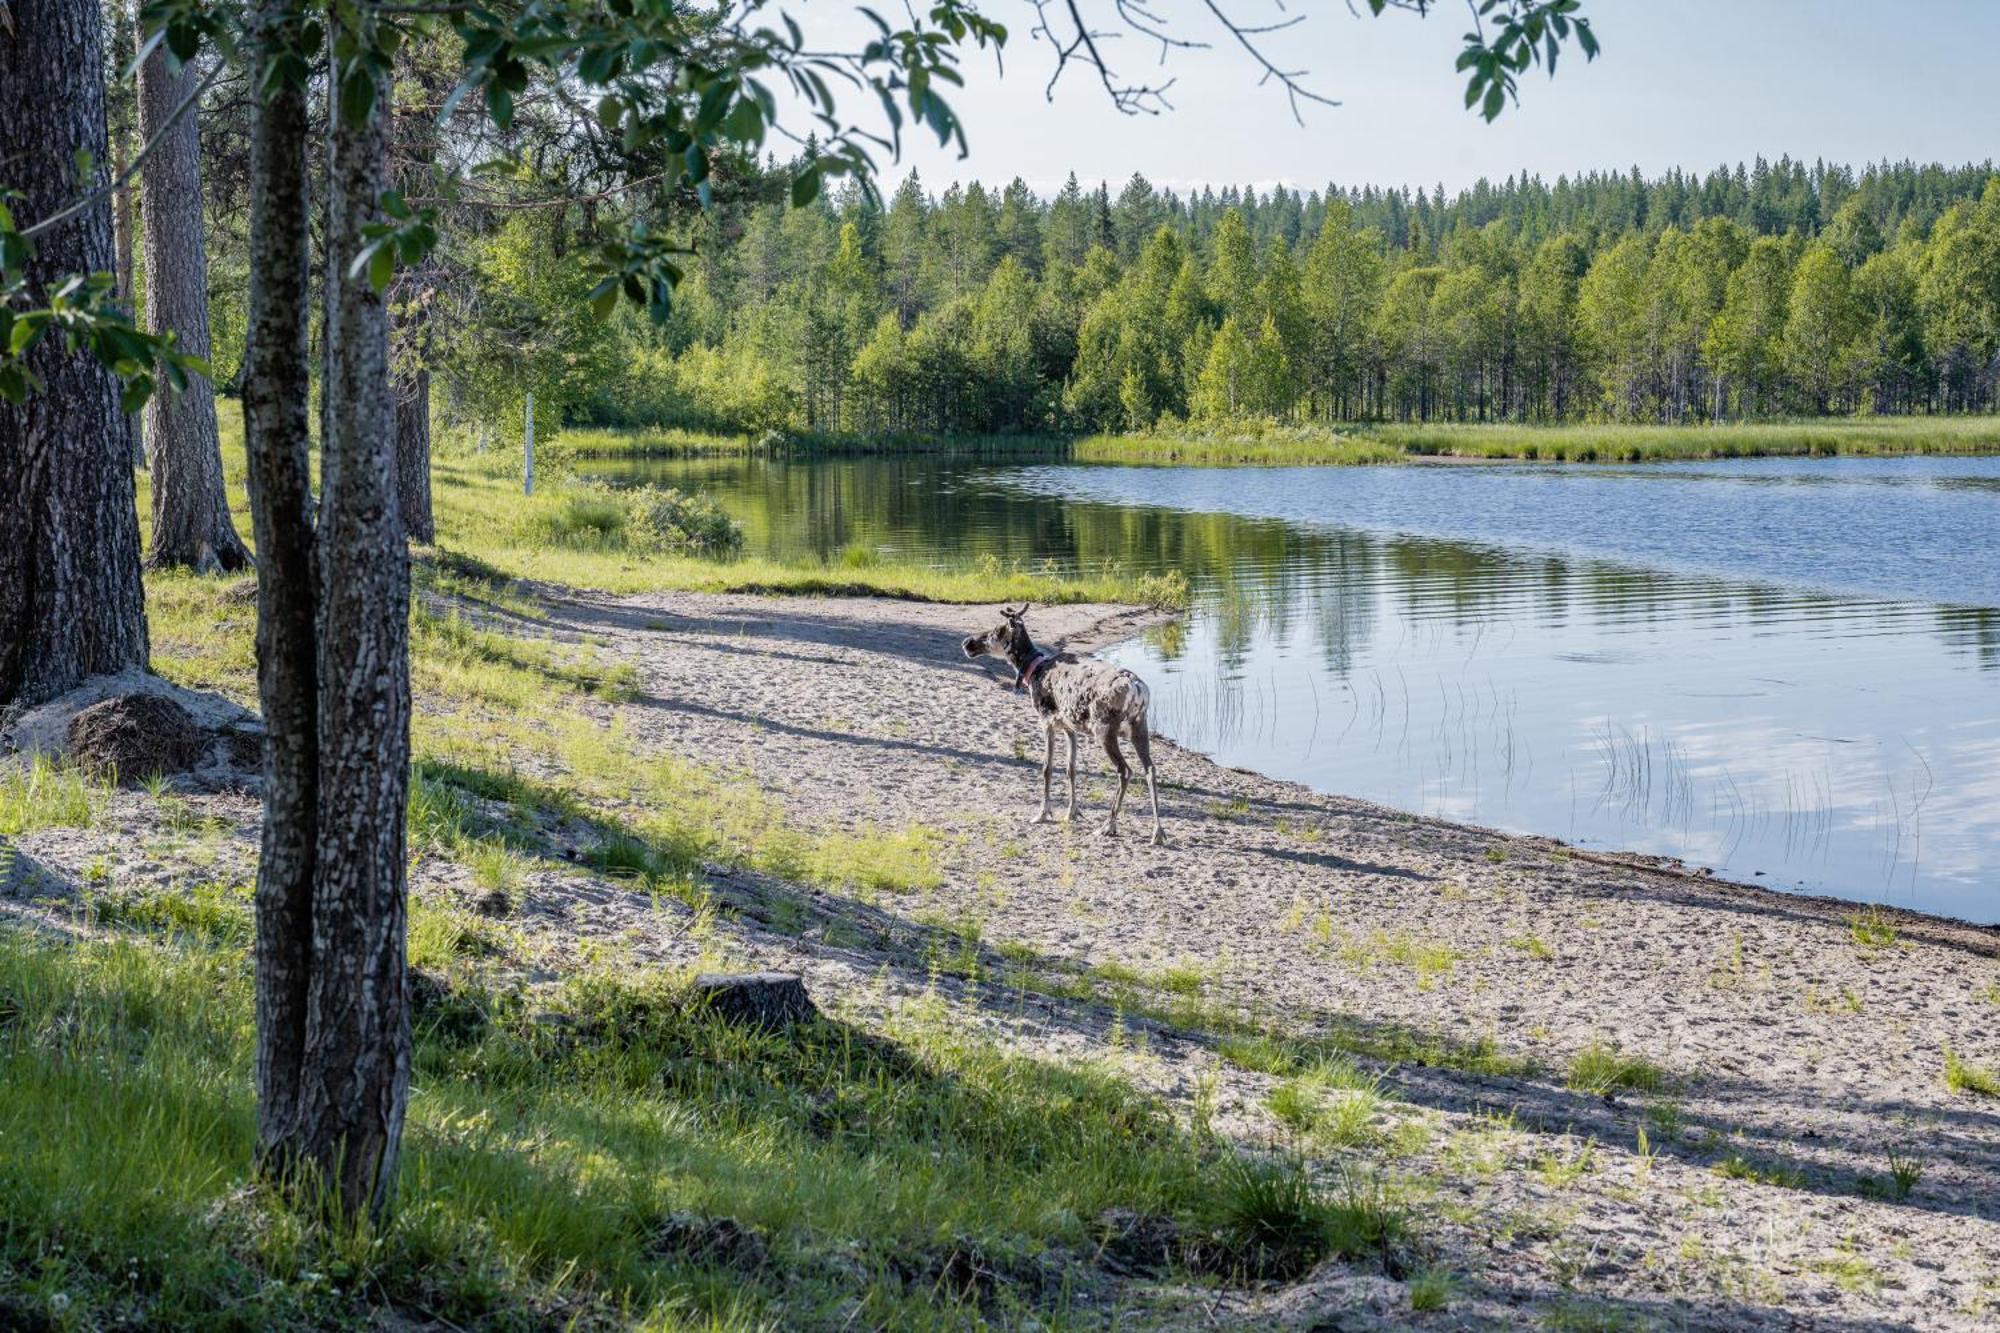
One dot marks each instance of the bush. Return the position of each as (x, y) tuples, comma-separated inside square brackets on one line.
[(644, 519)]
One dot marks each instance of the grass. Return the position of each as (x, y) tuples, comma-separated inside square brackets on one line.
[(1963, 1076), (1872, 929), (1234, 446), (1274, 1221), (1738, 1167), (42, 793), (1591, 443), (1254, 443), (681, 442), (1599, 1068), (551, 1169), (1332, 1104)]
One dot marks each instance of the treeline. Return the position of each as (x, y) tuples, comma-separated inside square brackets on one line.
[(1776, 289)]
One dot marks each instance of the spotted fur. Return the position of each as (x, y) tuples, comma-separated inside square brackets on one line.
[(1076, 697)]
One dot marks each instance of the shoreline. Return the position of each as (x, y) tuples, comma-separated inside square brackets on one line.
[(1355, 444)]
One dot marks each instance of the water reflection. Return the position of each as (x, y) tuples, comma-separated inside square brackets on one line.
[(1509, 676)]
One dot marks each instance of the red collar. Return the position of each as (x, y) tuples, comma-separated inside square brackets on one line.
[(1042, 659)]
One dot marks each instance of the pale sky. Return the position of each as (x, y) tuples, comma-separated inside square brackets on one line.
[(1692, 83)]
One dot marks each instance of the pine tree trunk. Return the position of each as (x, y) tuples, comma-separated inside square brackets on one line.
[(413, 454), (276, 376), (191, 526), (357, 1053), (71, 601)]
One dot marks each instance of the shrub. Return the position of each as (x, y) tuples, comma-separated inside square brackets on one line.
[(641, 519)]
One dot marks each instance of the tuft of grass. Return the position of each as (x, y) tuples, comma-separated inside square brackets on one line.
[(1906, 1168), (1260, 1054), (209, 910), (1871, 929), (38, 793), (1334, 1103), (1599, 1068), (1432, 1290), (1532, 945), (1963, 1076), (1273, 1221), (1738, 1167)]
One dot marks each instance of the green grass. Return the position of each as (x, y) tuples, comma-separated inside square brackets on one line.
[(1273, 1220), (1872, 929), (679, 442), (1738, 1167), (1963, 1076), (1599, 1068), (1268, 443), (1633, 443), (1233, 446), (1253, 443), (551, 1169), (1332, 1104), (41, 793)]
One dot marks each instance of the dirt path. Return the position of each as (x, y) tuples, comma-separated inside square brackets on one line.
[(1793, 1046)]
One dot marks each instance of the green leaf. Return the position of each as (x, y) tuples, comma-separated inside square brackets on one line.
[(137, 390), (381, 266), (1496, 98), (357, 96), (604, 297), (805, 187)]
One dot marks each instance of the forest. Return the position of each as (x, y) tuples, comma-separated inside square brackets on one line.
[(1777, 289)]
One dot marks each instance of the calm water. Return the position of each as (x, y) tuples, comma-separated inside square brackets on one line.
[(1786, 670)]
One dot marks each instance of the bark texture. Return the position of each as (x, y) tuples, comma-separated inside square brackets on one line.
[(413, 454), (71, 602), (357, 1007), (276, 377), (191, 526)]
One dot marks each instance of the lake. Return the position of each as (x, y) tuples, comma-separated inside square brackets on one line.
[(1786, 670)]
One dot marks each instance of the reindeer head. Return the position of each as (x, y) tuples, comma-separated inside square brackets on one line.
[(1007, 640)]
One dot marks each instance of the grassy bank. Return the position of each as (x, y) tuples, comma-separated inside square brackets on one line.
[(561, 535), (1253, 444), (1633, 444), (1246, 447), (582, 537), (1583, 443), (675, 442)]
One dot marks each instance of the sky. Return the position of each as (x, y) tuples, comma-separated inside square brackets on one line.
[(1690, 83)]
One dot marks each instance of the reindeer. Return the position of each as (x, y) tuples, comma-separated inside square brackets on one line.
[(1076, 697)]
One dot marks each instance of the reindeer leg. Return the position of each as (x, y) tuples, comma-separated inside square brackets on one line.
[(1070, 813), (1142, 742), (1110, 738), (1048, 769)]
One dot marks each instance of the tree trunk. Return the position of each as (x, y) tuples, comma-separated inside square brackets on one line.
[(357, 1055), (413, 454), (121, 217), (276, 376), (71, 601), (191, 526)]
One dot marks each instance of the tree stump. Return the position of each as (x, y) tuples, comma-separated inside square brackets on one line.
[(754, 999)]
